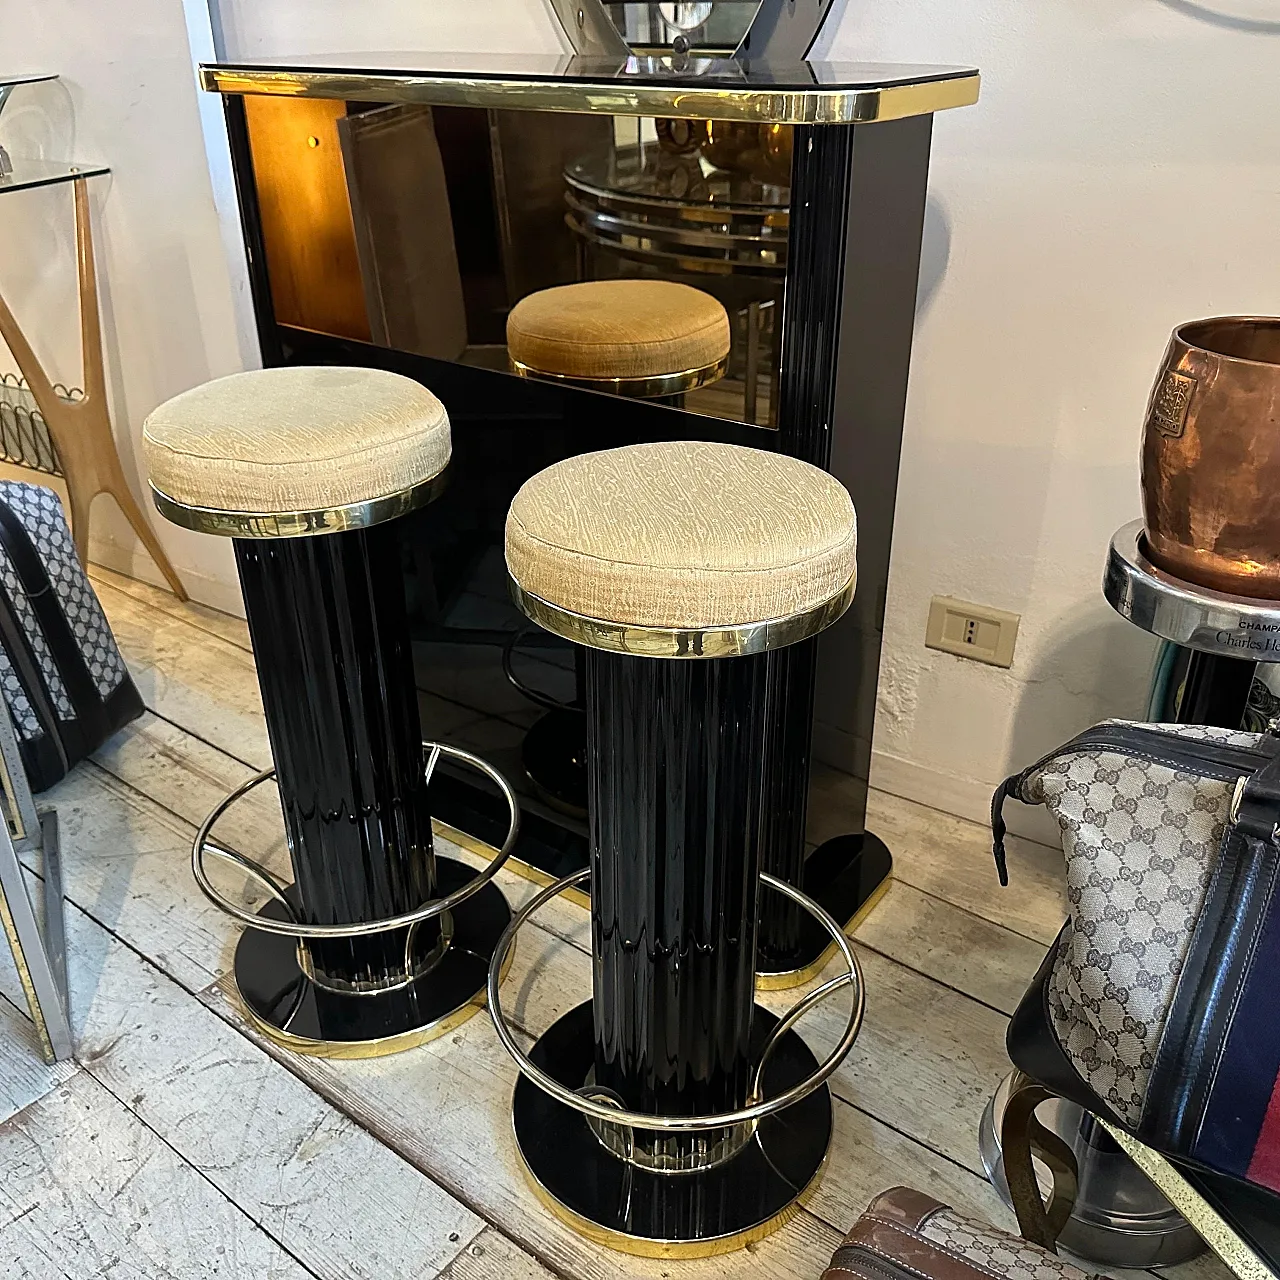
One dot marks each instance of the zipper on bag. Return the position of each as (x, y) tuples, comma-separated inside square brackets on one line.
[(853, 1257)]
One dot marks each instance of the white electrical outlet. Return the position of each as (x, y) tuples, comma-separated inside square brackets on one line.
[(971, 631)]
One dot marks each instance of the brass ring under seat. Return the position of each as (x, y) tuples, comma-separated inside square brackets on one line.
[(646, 387), (301, 524), (733, 641)]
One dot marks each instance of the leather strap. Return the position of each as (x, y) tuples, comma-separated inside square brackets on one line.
[(903, 1249), (1255, 810)]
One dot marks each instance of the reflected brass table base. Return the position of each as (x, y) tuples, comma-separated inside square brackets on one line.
[(846, 876), (293, 1011), (624, 1206)]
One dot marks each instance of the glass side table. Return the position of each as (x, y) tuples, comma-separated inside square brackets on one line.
[(79, 427)]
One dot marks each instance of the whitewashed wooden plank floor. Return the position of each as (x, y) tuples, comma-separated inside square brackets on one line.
[(181, 1145)]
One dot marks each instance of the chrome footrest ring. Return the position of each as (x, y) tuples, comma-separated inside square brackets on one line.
[(756, 1109), (295, 928)]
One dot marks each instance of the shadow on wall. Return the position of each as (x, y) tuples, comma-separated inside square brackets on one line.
[(1234, 15), (1094, 659), (935, 251)]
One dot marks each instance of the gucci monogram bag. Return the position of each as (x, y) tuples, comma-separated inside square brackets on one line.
[(907, 1235), (1158, 1008)]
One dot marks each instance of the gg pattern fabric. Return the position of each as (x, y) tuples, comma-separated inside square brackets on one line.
[(996, 1252), (279, 441), (604, 329), (683, 533), (922, 1237), (1138, 838)]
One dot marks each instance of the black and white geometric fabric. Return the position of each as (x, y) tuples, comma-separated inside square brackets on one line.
[(25, 721), (31, 628), (42, 516)]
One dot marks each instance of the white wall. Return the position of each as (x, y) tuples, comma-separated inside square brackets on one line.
[(1121, 173), (127, 97)]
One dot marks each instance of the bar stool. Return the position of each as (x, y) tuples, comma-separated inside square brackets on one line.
[(670, 1115), (646, 339), (380, 943)]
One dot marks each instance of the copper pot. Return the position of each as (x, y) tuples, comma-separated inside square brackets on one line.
[(1211, 457)]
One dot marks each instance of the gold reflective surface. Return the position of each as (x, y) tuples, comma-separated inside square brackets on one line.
[(354, 1049), (667, 384), (679, 642), (298, 524), (644, 1247), (1210, 1225), (812, 104)]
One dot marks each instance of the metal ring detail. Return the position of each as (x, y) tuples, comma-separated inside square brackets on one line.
[(362, 928), (690, 1124), (733, 641)]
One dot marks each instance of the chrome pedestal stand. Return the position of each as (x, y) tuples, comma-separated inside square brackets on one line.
[(1119, 1218)]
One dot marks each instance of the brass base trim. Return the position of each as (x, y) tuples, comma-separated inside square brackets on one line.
[(788, 978), (682, 642), (300, 524), (525, 870), (783, 981), (381, 1047), (644, 1247), (648, 387)]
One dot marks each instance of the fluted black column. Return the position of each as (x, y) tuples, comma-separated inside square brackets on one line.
[(327, 619), (676, 776)]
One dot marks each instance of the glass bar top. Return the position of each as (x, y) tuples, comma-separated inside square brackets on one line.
[(691, 87), (35, 77), (43, 173)]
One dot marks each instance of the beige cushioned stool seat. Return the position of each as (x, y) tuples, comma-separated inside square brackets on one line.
[(683, 534), (278, 441), (607, 329)]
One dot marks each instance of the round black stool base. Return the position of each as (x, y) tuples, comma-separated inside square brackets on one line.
[(554, 754), (847, 875), (669, 1215), (291, 1010)]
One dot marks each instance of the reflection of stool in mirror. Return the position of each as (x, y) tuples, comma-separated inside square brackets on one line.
[(380, 943), (670, 1115), (647, 339), (651, 339)]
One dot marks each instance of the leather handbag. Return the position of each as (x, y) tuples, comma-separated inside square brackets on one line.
[(907, 1235), (1156, 1007)]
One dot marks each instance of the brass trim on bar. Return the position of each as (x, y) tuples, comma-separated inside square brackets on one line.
[(299, 524), (811, 105), (642, 388), (680, 642)]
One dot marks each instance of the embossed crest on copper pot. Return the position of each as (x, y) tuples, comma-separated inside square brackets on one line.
[(1211, 456)]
